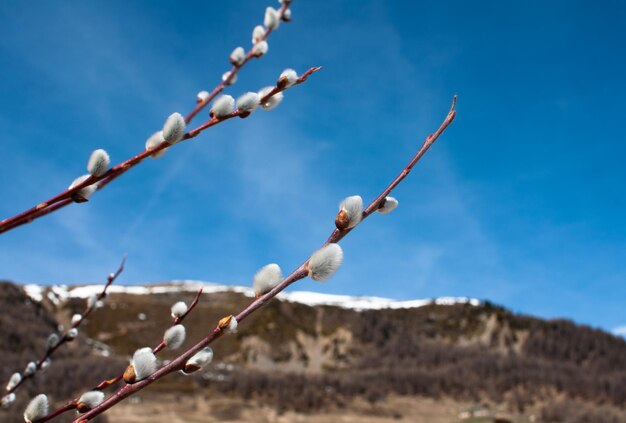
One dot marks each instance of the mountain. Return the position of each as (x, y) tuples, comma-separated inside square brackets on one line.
[(314, 357)]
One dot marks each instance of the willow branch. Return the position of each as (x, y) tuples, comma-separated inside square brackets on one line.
[(72, 405), (88, 309), (64, 198), (177, 320), (233, 71), (299, 273)]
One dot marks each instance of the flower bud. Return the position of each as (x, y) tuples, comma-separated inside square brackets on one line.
[(229, 78), (37, 409), (286, 15), (7, 400), (271, 19), (257, 34), (89, 400), (98, 163), (350, 210), (76, 319), (325, 262), (238, 56), (143, 365), (271, 102), (174, 128), (260, 48), (248, 103), (84, 193), (287, 78), (14, 380), (174, 337), (31, 368), (198, 361), (388, 205), (71, 334), (266, 278), (179, 309), (53, 340), (229, 324), (156, 139), (202, 96), (223, 107)]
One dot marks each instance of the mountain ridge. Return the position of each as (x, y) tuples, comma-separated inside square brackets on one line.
[(293, 357)]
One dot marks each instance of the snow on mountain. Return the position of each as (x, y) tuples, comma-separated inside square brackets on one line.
[(60, 293)]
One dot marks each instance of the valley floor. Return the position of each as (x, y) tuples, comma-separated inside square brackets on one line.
[(195, 409)]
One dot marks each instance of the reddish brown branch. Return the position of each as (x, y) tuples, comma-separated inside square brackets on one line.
[(233, 72), (109, 382), (64, 198), (88, 309), (177, 320), (300, 273), (72, 405)]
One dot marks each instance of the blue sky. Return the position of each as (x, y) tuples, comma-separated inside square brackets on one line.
[(521, 202)]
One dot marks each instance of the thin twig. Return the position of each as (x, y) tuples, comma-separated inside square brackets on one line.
[(300, 273), (233, 72), (64, 198), (52, 204), (88, 309), (177, 320), (72, 405)]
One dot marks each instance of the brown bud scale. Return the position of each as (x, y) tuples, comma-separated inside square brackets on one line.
[(224, 322), (129, 374), (342, 220)]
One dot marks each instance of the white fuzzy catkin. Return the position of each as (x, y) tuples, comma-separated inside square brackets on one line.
[(92, 300), (389, 205), (174, 337), (46, 363), (271, 102), (325, 261), (14, 380), (202, 96), (266, 278), (7, 400), (353, 206), (174, 128), (290, 76), (260, 48), (154, 140), (98, 163), (91, 399), (179, 309), (232, 325), (223, 106), (271, 19), (228, 80), (238, 56), (30, 369), (248, 102), (76, 318), (257, 34), (144, 362), (72, 333), (37, 409), (287, 14), (87, 191), (201, 358), (53, 340)]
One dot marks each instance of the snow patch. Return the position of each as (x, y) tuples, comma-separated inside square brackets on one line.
[(60, 293)]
